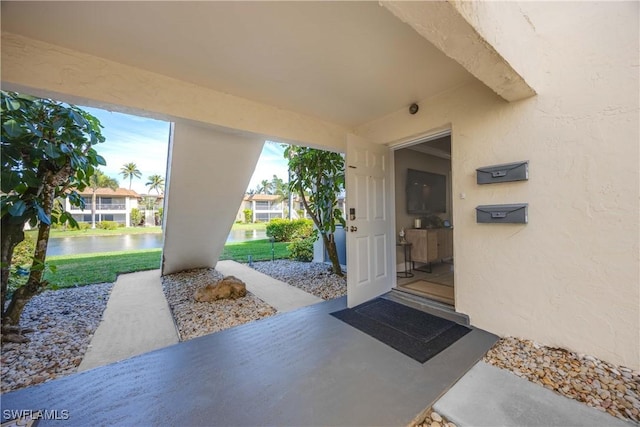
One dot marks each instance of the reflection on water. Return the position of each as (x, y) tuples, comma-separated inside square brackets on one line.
[(242, 235), (128, 242)]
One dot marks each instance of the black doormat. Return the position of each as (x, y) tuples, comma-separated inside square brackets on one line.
[(415, 333)]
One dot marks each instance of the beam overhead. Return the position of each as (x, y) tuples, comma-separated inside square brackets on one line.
[(443, 23)]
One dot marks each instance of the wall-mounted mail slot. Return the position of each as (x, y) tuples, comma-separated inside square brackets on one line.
[(503, 214), (518, 171)]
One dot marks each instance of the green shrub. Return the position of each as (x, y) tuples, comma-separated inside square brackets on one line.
[(303, 228), (159, 216), (136, 217), (284, 230), (21, 261), (248, 215), (84, 225), (302, 249), (107, 225), (277, 229), (23, 252)]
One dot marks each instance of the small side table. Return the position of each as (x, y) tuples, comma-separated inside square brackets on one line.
[(406, 247)]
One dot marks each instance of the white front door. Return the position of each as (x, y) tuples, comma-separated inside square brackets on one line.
[(370, 240)]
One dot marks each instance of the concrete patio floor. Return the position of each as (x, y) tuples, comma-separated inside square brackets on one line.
[(299, 368)]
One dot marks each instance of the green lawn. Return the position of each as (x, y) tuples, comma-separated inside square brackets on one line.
[(250, 226), (75, 270), (260, 250)]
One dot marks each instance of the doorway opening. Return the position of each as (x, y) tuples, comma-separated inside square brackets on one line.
[(424, 219)]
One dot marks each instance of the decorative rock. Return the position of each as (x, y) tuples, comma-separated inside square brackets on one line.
[(63, 322), (194, 318), (613, 389), (436, 417), (14, 338), (229, 287)]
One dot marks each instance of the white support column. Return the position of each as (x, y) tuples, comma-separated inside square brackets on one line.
[(208, 173), (127, 211), (253, 211)]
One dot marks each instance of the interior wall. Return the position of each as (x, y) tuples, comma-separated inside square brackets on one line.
[(207, 178), (571, 276), (409, 159)]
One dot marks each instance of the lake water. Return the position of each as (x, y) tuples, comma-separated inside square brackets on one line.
[(128, 242)]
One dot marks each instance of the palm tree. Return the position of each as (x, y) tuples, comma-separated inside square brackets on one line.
[(99, 180), (279, 187), (156, 182), (264, 187), (130, 170)]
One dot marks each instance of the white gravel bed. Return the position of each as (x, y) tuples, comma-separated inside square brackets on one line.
[(194, 318), (64, 323), (587, 379), (601, 385), (311, 277)]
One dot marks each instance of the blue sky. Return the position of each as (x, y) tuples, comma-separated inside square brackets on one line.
[(271, 163), (145, 141)]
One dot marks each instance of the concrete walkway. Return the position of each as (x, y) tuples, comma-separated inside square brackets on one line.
[(137, 320), (300, 368), (277, 294), (490, 396)]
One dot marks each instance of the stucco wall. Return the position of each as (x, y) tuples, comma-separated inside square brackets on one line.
[(43, 69), (208, 175), (571, 276), (461, 32)]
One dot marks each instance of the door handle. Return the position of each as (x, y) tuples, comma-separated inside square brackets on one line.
[(352, 229)]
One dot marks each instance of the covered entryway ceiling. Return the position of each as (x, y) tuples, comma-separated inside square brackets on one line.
[(343, 62)]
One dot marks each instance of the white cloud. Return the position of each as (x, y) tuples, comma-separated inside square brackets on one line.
[(132, 139), (271, 162)]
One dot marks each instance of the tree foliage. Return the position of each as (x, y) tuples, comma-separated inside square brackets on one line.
[(156, 182), (317, 176), (248, 215), (136, 217), (275, 187), (96, 181), (130, 171), (47, 154)]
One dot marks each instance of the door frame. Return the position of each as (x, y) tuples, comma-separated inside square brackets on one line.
[(405, 143)]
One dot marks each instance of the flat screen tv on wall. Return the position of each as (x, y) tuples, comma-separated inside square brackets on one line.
[(426, 192)]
